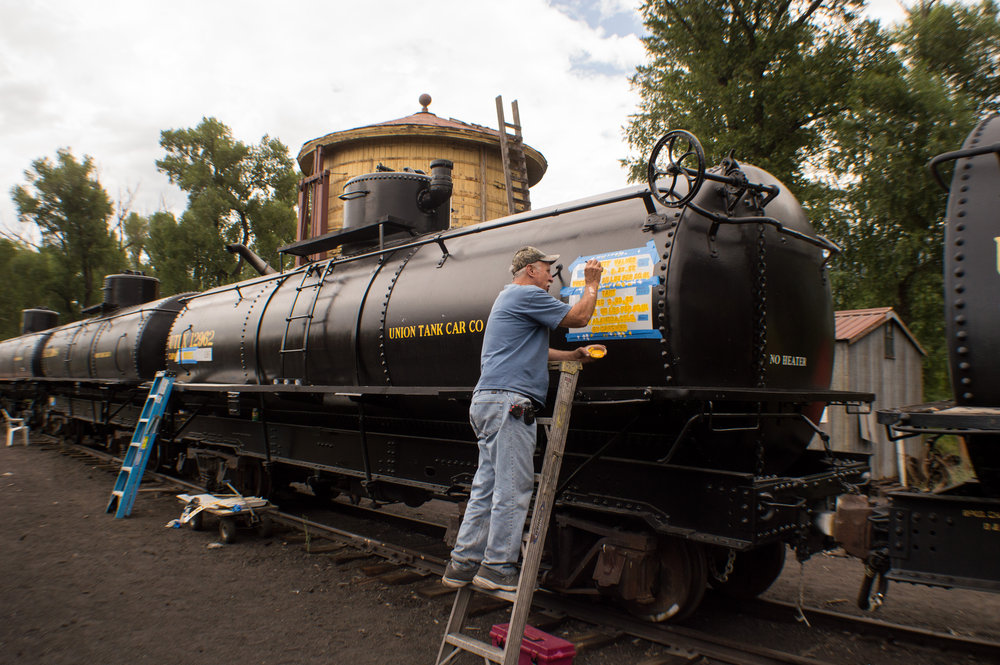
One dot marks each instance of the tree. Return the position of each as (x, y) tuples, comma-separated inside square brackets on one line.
[(186, 253), (960, 45), (759, 76), (842, 111), (889, 215), (133, 235), (236, 193), (71, 210), (26, 275)]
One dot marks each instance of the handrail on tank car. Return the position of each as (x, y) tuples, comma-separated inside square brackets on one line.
[(440, 238), (818, 241), (521, 218), (958, 154)]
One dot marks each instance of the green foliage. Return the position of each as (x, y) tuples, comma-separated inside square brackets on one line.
[(186, 253), (958, 44), (26, 275), (71, 210), (236, 193), (134, 235), (890, 214), (756, 75)]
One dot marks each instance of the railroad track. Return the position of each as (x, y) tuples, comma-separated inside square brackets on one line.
[(406, 564)]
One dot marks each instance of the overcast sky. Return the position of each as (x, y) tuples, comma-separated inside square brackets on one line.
[(104, 77)]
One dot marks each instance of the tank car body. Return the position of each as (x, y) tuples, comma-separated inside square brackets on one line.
[(20, 357), (92, 370), (353, 374), (124, 344), (950, 538), (687, 444)]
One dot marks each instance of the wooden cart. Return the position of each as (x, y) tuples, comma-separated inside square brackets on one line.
[(232, 511)]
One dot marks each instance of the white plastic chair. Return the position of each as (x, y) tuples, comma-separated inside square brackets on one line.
[(15, 425)]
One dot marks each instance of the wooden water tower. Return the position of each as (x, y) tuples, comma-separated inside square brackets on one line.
[(486, 185)]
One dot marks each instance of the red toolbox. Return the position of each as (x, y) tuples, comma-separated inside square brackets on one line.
[(537, 647)]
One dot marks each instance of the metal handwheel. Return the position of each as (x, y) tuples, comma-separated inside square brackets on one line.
[(682, 157)]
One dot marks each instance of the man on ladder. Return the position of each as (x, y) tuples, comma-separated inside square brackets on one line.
[(512, 386)]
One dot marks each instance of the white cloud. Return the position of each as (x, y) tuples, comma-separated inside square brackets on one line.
[(103, 78)]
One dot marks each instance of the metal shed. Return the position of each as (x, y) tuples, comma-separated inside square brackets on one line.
[(875, 352)]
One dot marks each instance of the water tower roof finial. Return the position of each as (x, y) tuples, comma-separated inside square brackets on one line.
[(425, 101)]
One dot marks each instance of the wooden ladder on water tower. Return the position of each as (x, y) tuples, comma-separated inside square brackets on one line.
[(515, 166)]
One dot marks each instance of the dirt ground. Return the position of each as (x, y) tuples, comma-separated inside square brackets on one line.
[(77, 586)]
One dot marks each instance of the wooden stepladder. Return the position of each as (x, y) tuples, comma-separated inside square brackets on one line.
[(556, 428), (143, 440)]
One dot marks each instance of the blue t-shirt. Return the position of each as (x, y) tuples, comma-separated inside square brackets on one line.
[(516, 341)]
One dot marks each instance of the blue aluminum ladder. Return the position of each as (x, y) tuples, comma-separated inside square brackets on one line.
[(143, 441)]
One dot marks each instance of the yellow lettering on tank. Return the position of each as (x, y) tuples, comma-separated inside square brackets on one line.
[(190, 338), (438, 329)]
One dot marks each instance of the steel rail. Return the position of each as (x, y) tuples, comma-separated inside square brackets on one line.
[(719, 649), (875, 627)]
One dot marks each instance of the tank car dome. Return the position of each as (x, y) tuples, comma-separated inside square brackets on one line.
[(37, 319), (130, 288), (413, 142)]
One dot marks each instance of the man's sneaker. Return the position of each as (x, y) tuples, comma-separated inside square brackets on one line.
[(456, 577), (488, 578)]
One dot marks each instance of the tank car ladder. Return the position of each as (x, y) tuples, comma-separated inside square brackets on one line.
[(143, 441), (557, 427), (292, 316)]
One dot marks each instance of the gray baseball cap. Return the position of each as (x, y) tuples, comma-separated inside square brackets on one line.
[(526, 255)]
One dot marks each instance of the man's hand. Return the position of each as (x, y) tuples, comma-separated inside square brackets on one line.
[(580, 315), (584, 354), (590, 353), (592, 271)]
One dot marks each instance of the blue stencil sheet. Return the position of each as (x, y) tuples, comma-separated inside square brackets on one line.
[(625, 300)]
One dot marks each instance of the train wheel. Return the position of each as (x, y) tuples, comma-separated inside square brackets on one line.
[(699, 578), (679, 582), (252, 479), (323, 489), (157, 458), (752, 572)]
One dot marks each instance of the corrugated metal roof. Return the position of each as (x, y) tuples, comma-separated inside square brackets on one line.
[(850, 325), (853, 324)]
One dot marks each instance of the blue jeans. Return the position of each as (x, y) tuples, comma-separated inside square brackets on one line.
[(501, 490)]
